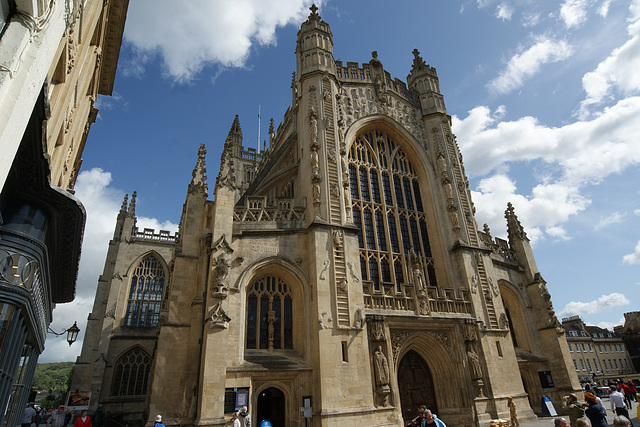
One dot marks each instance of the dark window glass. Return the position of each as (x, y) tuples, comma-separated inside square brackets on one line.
[(398, 189), (425, 238), (368, 230), (264, 295), (353, 182), (373, 271), (407, 193), (397, 269), (364, 185), (382, 239), (415, 239), (375, 186), (416, 193), (386, 273), (386, 185), (404, 231), (131, 373), (393, 234), (252, 315)]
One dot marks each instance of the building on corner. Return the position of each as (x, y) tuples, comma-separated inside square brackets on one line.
[(336, 277), (55, 58)]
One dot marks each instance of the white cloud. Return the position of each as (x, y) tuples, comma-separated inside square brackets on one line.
[(530, 19), (558, 232), (574, 12), (609, 325), (618, 71), (527, 63), (205, 32), (614, 218), (633, 258), (605, 302), (603, 9), (504, 12), (573, 156), (102, 203)]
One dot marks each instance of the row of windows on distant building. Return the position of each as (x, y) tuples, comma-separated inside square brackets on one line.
[(608, 348), (623, 364), (585, 334)]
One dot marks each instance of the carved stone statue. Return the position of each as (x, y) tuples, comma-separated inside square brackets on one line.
[(381, 366), (474, 363), (383, 377)]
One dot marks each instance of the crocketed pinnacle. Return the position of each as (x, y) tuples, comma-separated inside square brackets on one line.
[(418, 62), (514, 227), (199, 177), (123, 208), (131, 213)]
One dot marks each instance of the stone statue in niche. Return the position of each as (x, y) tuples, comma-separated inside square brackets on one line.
[(338, 239), (383, 377), (358, 319), (474, 363), (313, 126)]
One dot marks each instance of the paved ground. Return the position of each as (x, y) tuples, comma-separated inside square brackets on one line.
[(548, 422)]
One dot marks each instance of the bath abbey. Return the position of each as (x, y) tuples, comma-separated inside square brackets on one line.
[(336, 277)]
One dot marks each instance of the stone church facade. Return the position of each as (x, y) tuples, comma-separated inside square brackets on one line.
[(337, 277)]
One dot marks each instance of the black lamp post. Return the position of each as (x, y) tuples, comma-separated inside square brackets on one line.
[(72, 333)]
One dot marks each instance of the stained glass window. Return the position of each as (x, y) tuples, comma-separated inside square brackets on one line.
[(145, 293)]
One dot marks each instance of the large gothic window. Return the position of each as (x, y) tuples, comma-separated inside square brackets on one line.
[(269, 314), (388, 210), (145, 293), (131, 373)]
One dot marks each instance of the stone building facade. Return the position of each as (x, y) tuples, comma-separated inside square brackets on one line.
[(337, 277), (598, 354), (55, 58)]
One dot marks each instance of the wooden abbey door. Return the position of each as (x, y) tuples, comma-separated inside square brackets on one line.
[(415, 385)]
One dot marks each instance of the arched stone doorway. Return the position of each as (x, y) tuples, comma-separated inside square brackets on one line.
[(271, 406), (415, 384)]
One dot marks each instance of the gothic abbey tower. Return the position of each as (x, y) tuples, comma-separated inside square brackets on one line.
[(337, 277)]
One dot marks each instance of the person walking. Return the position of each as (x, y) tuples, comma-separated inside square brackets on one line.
[(429, 419), (158, 421), (617, 402), (245, 417), (595, 412), (28, 414), (234, 420)]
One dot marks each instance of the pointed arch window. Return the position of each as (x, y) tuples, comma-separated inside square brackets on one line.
[(378, 166), (145, 293), (131, 373), (269, 314)]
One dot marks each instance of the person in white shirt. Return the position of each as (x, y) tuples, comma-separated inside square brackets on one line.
[(617, 402)]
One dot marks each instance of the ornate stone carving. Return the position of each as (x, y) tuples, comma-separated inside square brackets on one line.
[(358, 319), (325, 321), (397, 341), (376, 328), (352, 271), (219, 272), (217, 318), (325, 265), (444, 339)]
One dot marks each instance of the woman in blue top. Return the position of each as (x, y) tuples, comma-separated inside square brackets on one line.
[(595, 412)]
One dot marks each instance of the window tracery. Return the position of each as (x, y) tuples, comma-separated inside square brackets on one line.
[(131, 373), (388, 209), (145, 293), (269, 314)]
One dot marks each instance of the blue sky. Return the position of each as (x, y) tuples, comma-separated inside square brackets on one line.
[(544, 96)]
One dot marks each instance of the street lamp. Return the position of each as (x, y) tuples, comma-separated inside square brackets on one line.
[(72, 333)]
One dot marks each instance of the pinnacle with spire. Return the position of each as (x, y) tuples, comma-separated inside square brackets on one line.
[(131, 213), (123, 208), (199, 177), (514, 227)]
